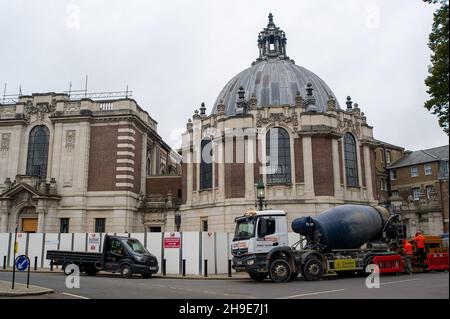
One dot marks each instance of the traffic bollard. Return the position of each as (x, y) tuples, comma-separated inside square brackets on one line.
[(4, 262), (51, 264), (164, 267), (184, 267), (206, 267), (229, 267), (35, 262)]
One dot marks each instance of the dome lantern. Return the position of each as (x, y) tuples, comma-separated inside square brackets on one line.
[(272, 42)]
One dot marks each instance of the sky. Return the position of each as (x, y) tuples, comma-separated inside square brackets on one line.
[(176, 54)]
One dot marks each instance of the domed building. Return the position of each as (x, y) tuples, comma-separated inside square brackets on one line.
[(279, 126)]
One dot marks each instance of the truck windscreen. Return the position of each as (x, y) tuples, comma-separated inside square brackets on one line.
[(245, 229), (136, 246)]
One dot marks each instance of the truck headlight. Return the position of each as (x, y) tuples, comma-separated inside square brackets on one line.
[(250, 262)]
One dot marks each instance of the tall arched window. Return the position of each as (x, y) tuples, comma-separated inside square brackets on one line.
[(351, 162), (206, 165), (148, 164), (38, 151), (278, 152)]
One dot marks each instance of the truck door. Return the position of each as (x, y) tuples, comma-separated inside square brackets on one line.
[(266, 237), (114, 255)]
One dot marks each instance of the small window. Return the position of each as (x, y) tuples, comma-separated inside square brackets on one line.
[(154, 229), (427, 169), (64, 225), (446, 168), (100, 224), (388, 157), (395, 194), (384, 185), (268, 228), (116, 247), (416, 193), (414, 171), (430, 191), (204, 224), (393, 175)]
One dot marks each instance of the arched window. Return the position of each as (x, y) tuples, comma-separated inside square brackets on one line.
[(148, 165), (278, 152), (206, 165), (351, 162), (38, 151)]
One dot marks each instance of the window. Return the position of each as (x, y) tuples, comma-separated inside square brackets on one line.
[(278, 152), (382, 155), (148, 165), (388, 157), (393, 175), (427, 169), (414, 171), (383, 184), (430, 191), (204, 223), (206, 166), (100, 224), (116, 247), (266, 226), (64, 225), (395, 194), (351, 163), (38, 151), (446, 168), (416, 193), (154, 229)]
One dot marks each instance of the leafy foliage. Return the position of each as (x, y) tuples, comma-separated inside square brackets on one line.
[(438, 71)]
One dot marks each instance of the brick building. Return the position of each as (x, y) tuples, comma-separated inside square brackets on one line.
[(280, 123), (82, 164), (420, 189), (385, 154)]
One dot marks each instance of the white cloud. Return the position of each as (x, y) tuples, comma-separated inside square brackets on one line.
[(176, 54)]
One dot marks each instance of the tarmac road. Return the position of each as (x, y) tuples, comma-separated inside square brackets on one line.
[(433, 285)]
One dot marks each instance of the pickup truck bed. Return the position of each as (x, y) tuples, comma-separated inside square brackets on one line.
[(59, 257)]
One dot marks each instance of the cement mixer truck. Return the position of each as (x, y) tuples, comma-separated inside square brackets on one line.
[(343, 240)]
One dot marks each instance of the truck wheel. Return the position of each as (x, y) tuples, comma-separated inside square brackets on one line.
[(91, 271), (66, 271), (257, 276), (125, 271), (280, 271), (313, 269)]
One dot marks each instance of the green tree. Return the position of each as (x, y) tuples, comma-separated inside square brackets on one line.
[(438, 72)]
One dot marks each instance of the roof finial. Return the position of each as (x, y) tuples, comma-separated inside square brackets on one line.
[(271, 18)]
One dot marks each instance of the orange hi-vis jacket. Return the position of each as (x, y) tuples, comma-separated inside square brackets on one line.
[(408, 249), (420, 241)]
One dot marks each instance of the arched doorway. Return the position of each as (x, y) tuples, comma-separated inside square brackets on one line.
[(28, 220)]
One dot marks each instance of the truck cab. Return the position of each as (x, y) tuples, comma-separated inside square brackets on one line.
[(256, 234)]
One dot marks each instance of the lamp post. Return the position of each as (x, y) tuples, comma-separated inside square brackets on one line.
[(261, 195), (177, 220)]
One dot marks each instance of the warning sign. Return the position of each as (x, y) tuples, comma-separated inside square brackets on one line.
[(173, 241)]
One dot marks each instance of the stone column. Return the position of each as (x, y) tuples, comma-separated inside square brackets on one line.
[(41, 220), (368, 172), (250, 156), (3, 219), (336, 169), (308, 166)]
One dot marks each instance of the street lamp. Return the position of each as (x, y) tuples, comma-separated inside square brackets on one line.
[(261, 195)]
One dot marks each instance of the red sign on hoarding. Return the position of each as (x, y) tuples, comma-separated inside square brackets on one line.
[(172, 241)]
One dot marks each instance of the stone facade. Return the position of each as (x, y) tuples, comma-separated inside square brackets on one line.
[(99, 156)]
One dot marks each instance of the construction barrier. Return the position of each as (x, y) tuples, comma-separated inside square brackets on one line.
[(437, 261), (389, 264)]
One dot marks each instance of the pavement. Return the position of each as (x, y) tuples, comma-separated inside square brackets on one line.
[(21, 290), (433, 285)]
